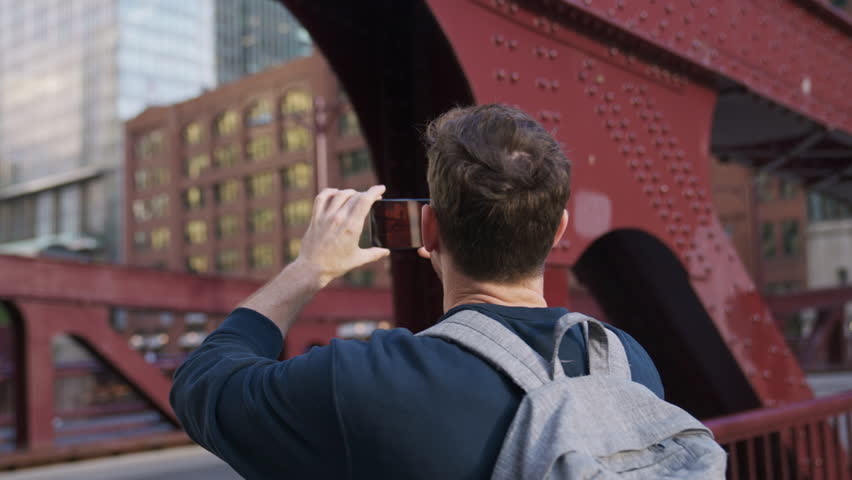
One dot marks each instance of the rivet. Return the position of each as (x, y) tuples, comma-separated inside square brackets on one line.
[(582, 75), (513, 44), (767, 374), (599, 79), (592, 159), (554, 85), (613, 52), (664, 188), (553, 54), (515, 76), (609, 96), (640, 176), (500, 74), (498, 39)]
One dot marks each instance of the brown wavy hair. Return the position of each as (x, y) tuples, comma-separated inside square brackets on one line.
[(498, 183)]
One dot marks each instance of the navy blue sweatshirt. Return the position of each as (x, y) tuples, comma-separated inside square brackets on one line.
[(396, 406)]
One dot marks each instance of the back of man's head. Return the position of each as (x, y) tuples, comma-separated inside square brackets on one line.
[(498, 184)]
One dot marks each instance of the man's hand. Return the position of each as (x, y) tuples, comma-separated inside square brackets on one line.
[(329, 249), (330, 246)]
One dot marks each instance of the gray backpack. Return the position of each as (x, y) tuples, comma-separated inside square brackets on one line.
[(601, 426)]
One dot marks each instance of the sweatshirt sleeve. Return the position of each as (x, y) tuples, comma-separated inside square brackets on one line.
[(264, 417)]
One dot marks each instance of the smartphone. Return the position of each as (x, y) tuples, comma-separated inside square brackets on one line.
[(394, 224)]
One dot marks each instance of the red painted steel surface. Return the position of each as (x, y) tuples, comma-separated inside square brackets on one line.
[(781, 49), (639, 137)]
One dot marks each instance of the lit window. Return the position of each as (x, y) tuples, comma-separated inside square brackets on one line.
[(260, 185), (194, 198), (227, 226), (196, 232), (790, 237), (197, 164), (226, 123), (262, 220), (227, 156), (160, 205), (767, 240), (150, 145), (296, 102), (261, 256), (227, 260), (260, 113), (197, 263), (141, 212), (160, 238), (355, 162), (160, 176), (292, 248), (193, 133), (140, 240), (140, 178), (297, 213), (227, 191), (295, 139), (347, 125), (144, 179), (297, 176), (259, 148)]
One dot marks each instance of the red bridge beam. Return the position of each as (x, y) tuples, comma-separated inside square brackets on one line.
[(132, 287)]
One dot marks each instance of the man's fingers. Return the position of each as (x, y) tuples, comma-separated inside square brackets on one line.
[(338, 200), (424, 253), (321, 200), (360, 205)]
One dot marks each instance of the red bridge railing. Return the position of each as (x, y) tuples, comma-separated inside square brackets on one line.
[(807, 440)]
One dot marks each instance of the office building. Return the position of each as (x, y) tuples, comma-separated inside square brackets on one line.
[(224, 183)]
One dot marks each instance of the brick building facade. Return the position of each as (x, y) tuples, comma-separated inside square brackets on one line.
[(767, 219), (224, 183)]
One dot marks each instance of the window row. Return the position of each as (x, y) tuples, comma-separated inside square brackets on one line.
[(790, 238), (150, 145), (260, 220), (293, 139), (259, 257), (145, 178), (147, 209), (158, 239), (261, 112), (259, 185)]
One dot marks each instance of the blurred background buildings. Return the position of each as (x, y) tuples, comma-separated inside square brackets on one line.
[(72, 72)]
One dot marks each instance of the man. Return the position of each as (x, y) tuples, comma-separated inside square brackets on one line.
[(399, 405)]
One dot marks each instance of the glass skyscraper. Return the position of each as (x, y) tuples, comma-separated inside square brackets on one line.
[(252, 35), (72, 71)]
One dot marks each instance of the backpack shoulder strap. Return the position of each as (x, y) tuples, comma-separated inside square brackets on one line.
[(606, 352), (496, 344)]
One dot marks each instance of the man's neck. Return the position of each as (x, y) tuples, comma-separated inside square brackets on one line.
[(460, 290)]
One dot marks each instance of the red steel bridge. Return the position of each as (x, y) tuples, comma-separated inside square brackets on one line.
[(641, 93)]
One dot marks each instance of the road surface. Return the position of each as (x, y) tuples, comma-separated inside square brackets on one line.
[(183, 463)]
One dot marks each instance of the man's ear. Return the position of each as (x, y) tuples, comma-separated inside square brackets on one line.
[(563, 224), (429, 229)]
